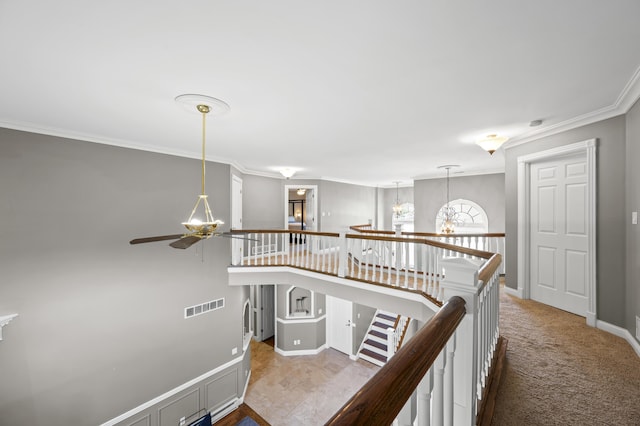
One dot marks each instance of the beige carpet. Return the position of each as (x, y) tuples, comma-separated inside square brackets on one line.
[(559, 371)]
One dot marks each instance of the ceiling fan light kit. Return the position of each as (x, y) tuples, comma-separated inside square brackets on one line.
[(199, 225)]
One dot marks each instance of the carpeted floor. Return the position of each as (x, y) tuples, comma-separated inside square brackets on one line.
[(559, 371)]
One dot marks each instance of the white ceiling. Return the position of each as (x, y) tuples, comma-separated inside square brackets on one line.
[(367, 92)]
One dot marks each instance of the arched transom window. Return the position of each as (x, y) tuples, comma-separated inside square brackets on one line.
[(470, 217)]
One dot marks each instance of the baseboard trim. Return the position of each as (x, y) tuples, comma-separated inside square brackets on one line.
[(620, 332), (300, 352), (172, 392), (513, 292)]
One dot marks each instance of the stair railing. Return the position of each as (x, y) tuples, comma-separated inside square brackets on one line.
[(438, 377), (440, 374)]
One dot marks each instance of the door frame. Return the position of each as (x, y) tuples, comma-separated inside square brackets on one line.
[(315, 204), (587, 147)]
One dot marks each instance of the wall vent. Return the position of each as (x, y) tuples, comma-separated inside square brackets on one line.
[(203, 308)]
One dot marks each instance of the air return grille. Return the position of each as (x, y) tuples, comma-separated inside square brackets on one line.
[(203, 308)]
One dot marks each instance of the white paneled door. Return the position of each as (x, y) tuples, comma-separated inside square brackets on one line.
[(559, 236), (339, 326)]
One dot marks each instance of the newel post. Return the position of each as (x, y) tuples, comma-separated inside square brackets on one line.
[(461, 279)]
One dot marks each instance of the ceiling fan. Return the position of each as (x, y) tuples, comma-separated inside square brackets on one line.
[(203, 227)]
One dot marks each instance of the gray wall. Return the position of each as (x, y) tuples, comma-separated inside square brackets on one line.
[(341, 205), (312, 335), (633, 204), (488, 191), (262, 202), (100, 327), (611, 214), (362, 317)]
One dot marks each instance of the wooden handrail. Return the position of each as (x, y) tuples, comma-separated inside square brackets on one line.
[(489, 268), (283, 231), (472, 252), (359, 228), (380, 400)]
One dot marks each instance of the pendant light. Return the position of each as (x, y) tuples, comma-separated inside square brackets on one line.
[(448, 214), (397, 207)]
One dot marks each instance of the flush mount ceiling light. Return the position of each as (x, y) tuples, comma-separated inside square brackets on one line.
[(287, 172), (491, 143), (301, 191)]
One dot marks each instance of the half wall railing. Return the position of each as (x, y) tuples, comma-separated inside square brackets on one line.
[(439, 376)]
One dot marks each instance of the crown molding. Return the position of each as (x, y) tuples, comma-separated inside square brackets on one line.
[(626, 99)]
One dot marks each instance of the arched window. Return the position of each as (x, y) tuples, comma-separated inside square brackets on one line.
[(405, 217), (470, 217)]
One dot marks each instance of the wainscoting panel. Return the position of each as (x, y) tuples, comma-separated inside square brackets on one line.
[(144, 421), (170, 414), (221, 390)]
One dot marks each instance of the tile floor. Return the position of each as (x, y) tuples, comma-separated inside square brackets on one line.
[(302, 390)]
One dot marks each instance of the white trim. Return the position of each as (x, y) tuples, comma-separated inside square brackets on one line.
[(620, 332), (588, 147), (300, 352), (300, 320), (172, 392), (246, 386), (4, 320), (315, 226), (626, 99), (513, 292)]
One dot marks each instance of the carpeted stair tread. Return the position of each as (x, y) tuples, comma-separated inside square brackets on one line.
[(386, 317), (376, 344), (374, 355), (378, 334), (381, 325)]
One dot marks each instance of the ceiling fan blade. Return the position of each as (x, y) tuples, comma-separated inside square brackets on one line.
[(185, 242), (235, 235), (154, 239)]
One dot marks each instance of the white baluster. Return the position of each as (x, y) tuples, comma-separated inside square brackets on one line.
[(423, 415), (438, 389)]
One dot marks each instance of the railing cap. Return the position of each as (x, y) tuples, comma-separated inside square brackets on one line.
[(459, 270)]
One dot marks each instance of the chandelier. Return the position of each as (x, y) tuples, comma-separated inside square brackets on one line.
[(397, 207), (449, 215)]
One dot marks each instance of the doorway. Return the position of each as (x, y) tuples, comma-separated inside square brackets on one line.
[(557, 228), (300, 207), (237, 245), (264, 311)]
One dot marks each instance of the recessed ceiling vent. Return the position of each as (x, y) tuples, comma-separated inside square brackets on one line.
[(203, 308)]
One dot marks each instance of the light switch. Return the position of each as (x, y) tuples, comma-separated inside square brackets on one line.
[(634, 218)]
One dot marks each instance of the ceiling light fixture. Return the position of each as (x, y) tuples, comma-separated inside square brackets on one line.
[(397, 207), (301, 191), (203, 225), (287, 172), (448, 214), (491, 143)]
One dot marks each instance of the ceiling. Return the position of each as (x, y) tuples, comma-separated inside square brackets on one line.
[(368, 92)]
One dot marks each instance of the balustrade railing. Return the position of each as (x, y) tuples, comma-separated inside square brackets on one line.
[(439, 376), (491, 242)]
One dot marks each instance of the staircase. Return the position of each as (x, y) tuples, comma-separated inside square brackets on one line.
[(374, 348)]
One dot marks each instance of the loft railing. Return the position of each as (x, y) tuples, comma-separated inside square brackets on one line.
[(411, 264), (440, 375), (492, 242)]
